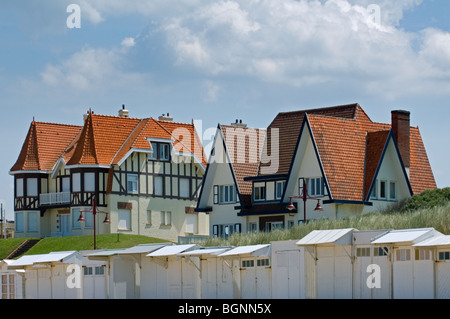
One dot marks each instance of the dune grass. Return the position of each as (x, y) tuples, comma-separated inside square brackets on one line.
[(437, 217)]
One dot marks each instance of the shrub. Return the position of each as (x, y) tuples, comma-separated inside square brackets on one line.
[(427, 199)]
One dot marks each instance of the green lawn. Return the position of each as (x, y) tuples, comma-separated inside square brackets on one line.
[(78, 243), (7, 246)]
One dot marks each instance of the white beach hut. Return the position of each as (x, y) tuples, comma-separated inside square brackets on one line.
[(412, 268), (95, 277), (168, 276), (288, 270), (251, 271), (328, 263), (371, 266), (215, 275), (11, 282), (124, 269), (441, 251), (56, 275)]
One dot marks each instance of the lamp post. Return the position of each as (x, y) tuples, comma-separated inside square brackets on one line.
[(94, 212), (305, 197)]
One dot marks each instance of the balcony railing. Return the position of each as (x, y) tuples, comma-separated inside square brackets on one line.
[(54, 199)]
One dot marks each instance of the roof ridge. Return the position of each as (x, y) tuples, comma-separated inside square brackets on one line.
[(320, 108), (59, 124)]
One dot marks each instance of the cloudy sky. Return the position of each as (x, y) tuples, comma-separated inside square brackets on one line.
[(218, 61)]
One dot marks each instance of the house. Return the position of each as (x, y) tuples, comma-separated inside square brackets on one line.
[(332, 162), (145, 174), (234, 155)]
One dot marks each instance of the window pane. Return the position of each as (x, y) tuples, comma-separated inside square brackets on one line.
[(154, 154), (76, 182), (89, 182), (392, 191), (132, 183), (164, 152), (32, 222), (19, 222), (32, 187), (382, 189), (75, 215), (19, 187)]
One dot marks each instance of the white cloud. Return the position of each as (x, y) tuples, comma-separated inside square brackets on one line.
[(128, 42)]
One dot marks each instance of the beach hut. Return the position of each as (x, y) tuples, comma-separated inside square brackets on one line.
[(215, 275), (328, 263), (56, 275), (10, 281), (288, 270), (124, 269), (169, 276), (95, 277), (251, 271), (371, 266), (412, 268), (440, 246)]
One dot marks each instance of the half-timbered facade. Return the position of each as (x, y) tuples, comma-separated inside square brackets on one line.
[(145, 174)]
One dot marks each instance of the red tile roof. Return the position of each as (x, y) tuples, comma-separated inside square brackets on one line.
[(103, 140), (44, 145), (244, 146)]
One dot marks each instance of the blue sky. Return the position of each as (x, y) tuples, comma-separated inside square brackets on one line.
[(217, 61)]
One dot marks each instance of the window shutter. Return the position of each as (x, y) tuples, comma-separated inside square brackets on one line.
[(216, 194)]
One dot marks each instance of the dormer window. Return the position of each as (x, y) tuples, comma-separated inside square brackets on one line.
[(160, 151), (259, 191)]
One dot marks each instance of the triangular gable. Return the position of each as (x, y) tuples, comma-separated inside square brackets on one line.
[(301, 145), (390, 139)]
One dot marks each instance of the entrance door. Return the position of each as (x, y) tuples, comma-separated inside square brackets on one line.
[(64, 221)]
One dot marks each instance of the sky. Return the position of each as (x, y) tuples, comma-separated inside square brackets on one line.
[(218, 61)]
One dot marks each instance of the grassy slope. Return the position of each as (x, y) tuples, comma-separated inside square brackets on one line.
[(437, 217), (78, 243)]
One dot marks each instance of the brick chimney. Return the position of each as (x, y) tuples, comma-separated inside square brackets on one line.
[(401, 129)]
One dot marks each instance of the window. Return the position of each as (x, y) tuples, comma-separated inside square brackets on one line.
[(32, 221), (444, 255), (392, 191), (263, 262), (260, 191), (380, 251), (132, 183), (316, 186), (422, 254), (19, 187), (66, 184), (154, 154), (89, 182), (8, 286), (248, 263), (164, 153), (253, 227), (75, 215), (403, 254), (280, 189), (158, 187), (89, 220), (184, 188), (19, 222), (225, 231), (124, 219), (227, 194), (76, 182), (166, 218), (99, 270), (32, 187), (383, 190), (216, 194), (88, 271), (363, 252)]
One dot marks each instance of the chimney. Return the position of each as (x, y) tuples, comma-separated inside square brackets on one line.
[(165, 117), (123, 112), (239, 123), (401, 129)]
